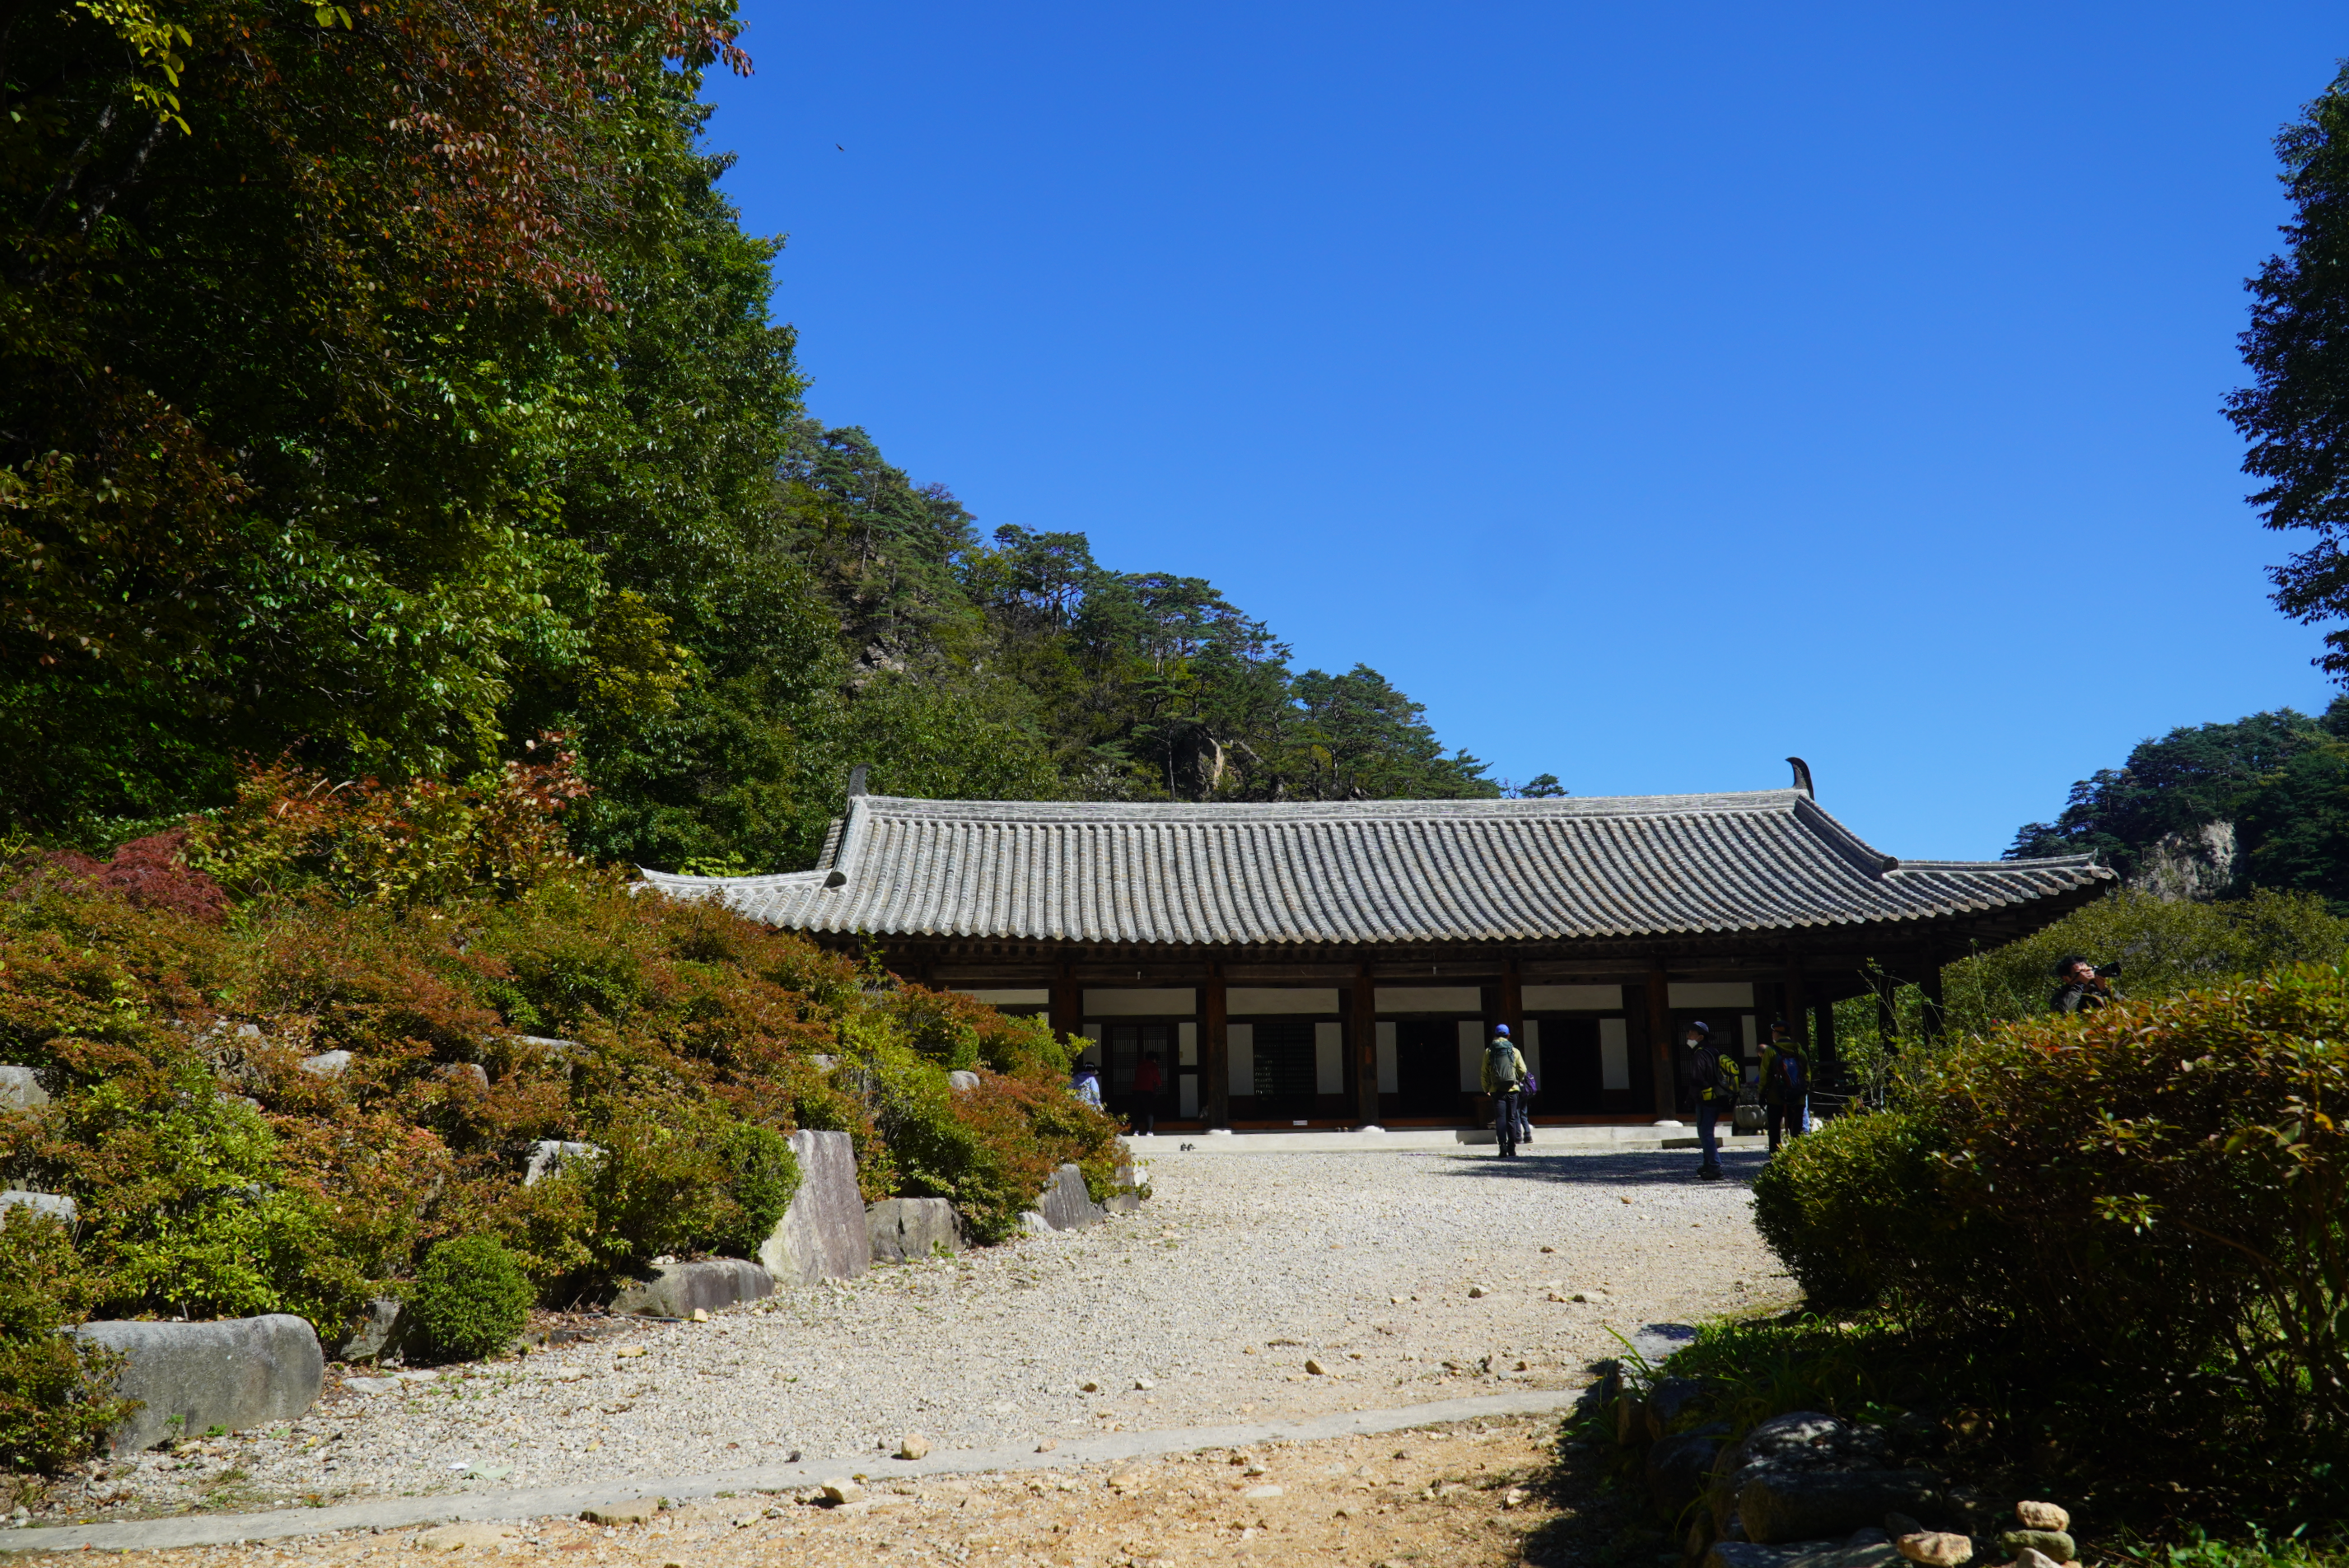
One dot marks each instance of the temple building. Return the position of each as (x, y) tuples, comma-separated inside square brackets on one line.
[(1339, 963)]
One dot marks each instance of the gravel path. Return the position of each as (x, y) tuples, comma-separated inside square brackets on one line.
[(1203, 1306)]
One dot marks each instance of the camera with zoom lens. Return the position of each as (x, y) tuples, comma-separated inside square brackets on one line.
[(2108, 971)]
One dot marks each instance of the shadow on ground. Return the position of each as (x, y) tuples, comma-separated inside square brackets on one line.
[(1673, 1168)]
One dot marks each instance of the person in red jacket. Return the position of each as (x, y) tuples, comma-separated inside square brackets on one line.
[(1147, 1080)]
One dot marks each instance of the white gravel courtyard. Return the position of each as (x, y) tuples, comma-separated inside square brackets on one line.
[(1203, 1306)]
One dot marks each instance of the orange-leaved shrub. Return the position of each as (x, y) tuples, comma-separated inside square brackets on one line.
[(282, 1098)]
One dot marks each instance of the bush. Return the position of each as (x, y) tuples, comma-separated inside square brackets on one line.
[(762, 1175), (2128, 1227), (55, 1402), (470, 1299), (1852, 1208)]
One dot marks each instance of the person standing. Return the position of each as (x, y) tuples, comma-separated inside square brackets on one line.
[(1785, 1086), (1526, 1093), (1504, 1075), (1147, 1080), (1711, 1084), (1085, 1083)]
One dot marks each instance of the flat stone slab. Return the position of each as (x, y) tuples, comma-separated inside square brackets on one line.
[(540, 1502), (675, 1289), (907, 1230), (1066, 1205), (236, 1375), (822, 1235)]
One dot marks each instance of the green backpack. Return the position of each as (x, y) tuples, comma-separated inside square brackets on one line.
[(1502, 1056)]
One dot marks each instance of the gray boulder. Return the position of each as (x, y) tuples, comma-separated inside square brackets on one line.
[(20, 1087), (2055, 1543), (906, 1229), (1678, 1466), (56, 1203), (1032, 1224), (326, 1064), (1807, 1554), (1670, 1399), (548, 1157), (677, 1289), (1127, 1198), (189, 1378), (962, 1082), (1799, 1439), (822, 1235), (1783, 1505), (1066, 1205), (376, 1333)]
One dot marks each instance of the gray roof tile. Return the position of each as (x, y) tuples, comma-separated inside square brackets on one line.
[(1368, 872)]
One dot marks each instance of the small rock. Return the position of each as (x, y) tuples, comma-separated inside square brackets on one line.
[(1548, 1249), (1261, 1492), (2043, 1516), (1089, 1386), (1047, 1445), (629, 1351), (1144, 1383), (1935, 1548), (1517, 1496), (837, 1492), (371, 1385), (1474, 1291), (636, 1511), (2032, 1557), (913, 1446), (1315, 1367), (700, 1315), (2055, 1543)]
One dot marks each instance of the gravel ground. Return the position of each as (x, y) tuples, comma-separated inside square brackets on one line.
[(1204, 1306), (1473, 1495)]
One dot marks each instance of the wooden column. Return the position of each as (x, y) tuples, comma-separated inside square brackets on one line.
[(1928, 981), (1660, 1040), (1363, 1020), (1513, 1002), (1214, 1052), (1799, 1003), (1068, 1006)]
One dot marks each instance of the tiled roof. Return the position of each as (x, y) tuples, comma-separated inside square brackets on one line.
[(1368, 872)]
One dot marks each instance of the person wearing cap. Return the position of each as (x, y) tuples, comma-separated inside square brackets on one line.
[(1712, 1084), (1785, 1086), (1085, 1083), (1505, 1076)]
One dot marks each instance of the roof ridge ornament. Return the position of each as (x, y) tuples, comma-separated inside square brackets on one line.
[(856, 778), (1801, 776)]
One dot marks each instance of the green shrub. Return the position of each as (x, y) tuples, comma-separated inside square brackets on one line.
[(470, 1300), (1853, 1207), (762, 1175), (55, 1402)]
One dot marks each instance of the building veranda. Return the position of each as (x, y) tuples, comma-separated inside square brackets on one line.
[(1339, 963)]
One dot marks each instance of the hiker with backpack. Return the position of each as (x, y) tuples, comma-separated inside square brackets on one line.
[(1785, 1086), (1711, 1080), (1504, 1078)]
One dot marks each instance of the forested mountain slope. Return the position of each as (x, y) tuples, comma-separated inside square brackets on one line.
[(2217, 810), (394, 386)]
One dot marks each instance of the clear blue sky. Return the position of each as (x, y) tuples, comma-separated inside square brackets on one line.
[(1651, 391)]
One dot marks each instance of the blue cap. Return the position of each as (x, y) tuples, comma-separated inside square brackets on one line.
[(1699, 1027), (1500, 1029)]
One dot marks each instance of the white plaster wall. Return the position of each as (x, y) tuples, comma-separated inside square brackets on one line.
[(1244, 1001)]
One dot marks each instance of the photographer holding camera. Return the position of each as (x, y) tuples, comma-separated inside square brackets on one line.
[(2082, 987)]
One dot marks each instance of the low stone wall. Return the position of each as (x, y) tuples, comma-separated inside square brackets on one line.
[(189, 1378), (822, 1235)]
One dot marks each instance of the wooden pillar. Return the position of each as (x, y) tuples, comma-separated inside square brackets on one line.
[(1214, 1053), (1799, 1003), (1928, 981), (1068, 1006), (1513, 1002), (1660, 1040), (1362, 1018)]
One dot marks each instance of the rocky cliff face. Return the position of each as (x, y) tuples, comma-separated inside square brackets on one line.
[(2196, 864)]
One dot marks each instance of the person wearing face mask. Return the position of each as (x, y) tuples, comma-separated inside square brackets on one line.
[(1710, 1082)]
